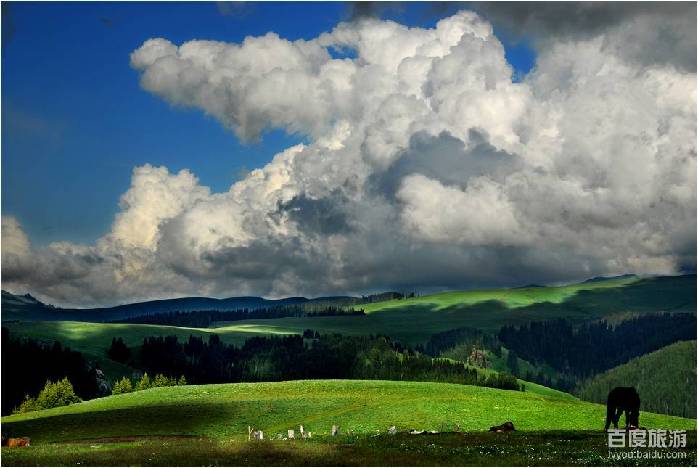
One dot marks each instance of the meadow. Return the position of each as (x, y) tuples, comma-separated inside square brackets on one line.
[(153, 426), (226, 410), (512, 298)]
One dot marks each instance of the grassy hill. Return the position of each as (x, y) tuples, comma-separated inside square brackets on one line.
[(665, 380), (413, 321), (207, 426), (511, 297), (227, 410)]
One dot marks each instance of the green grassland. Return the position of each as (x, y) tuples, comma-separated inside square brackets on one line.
[(153, 427), (512, 298), (362, 407), (665, 378)]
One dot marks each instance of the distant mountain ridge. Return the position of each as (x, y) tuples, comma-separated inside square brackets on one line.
[(606, 278), (26, 307)]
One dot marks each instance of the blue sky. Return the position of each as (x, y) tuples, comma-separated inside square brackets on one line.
[(75, 121)]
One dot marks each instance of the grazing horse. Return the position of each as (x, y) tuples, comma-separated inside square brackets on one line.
[(623, 399)]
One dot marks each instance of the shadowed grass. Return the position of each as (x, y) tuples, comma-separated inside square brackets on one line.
[(454, 449)]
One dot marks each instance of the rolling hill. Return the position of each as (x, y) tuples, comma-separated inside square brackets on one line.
[(413, 321), (27, 307), (362, 407), (207, 426), (665, 379), (484, 308)]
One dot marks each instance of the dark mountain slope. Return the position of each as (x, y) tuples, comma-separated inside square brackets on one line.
[(665, 380)]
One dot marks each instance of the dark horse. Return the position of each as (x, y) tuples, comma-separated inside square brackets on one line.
[(622, 399)]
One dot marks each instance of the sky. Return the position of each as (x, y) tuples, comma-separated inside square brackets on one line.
[(155, 150), (89, 129)]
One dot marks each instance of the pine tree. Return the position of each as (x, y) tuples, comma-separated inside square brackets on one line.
[(144, 383), (162, 381), (118, 351), (122, 386)]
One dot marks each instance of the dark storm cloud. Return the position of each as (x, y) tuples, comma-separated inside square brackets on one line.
[(652, 32), (446, 159), (54, 268), (324, 216), (575, 18)]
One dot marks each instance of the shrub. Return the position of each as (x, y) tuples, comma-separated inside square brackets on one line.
[(56, 394), (122, 386), (182, 380), (144, 383), (29, 404)]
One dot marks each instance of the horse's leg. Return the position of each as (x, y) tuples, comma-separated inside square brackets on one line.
[(616, 417), (610, 411)]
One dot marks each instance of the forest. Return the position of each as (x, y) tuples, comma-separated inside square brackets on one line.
[(597, 346), (310, 356), (665, 379), (27, 365), (205, 318), (472, 338)]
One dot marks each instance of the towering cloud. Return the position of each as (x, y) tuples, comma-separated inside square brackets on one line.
[(426, 166)]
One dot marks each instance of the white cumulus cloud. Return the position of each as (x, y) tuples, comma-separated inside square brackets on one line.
[(425, 165)]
